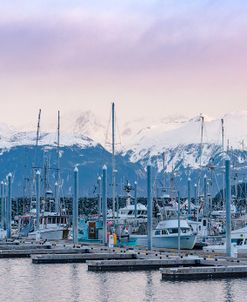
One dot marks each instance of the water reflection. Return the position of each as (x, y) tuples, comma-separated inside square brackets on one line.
[(149, 289), (22, 281), (229, 291), (75, 283), (103, 287)]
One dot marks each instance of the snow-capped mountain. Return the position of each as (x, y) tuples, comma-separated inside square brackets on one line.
[(139, 138), (172, 144), (177, 134)]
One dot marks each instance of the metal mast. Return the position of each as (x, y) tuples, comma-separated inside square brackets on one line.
[(37, 141), (58, 148), (35, 160), (222, 134), (58, 180), (202, 135), (164, 176), (113, 161)]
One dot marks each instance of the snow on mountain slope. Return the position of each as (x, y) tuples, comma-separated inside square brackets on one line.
[(14, 139), (156, 139), (75, 127), (144, 137)]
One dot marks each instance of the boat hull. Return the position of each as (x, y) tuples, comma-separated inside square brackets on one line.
[(169, 242), (50, 234)]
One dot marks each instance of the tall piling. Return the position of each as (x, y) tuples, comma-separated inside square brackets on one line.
[(9, 206), (228, 206), (149, 207), (99, 196), (37, 200), (57, 203), (75, 206), (104, 204), (2, 205), (195, 194), (179, 228), (205, 194)]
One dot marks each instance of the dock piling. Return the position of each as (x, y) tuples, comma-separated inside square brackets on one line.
[(104, 204), (149, 207), (75, 207), (205, 193), (228, 207), (2, 206), (9, 206), (37, 200), (99, 195), (179, 228)]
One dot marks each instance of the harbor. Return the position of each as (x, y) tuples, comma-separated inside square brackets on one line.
[(101, 259), (123, 156), (177, 240)]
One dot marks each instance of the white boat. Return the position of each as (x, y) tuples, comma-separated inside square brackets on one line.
[(165, 235), (53, 226), (238, 240), (128, 212)]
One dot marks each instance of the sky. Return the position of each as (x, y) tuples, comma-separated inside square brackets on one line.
[(153, 58)]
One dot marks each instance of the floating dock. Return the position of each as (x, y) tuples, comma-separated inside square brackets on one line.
[(26, 253), (139, 264), (206, 272), (80, 258)]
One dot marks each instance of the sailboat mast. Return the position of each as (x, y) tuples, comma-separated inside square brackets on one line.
[(57, 184), (202, 135), (113, 161), (58, 148), (222, 134), (164, 176), (37, 141)]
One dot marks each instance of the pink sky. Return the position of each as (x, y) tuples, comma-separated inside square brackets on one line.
[(151, 57)]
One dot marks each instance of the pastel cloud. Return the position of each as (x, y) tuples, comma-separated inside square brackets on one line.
[(175, 49)]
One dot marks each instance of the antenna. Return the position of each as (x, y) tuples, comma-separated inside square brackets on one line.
[(222, 134)]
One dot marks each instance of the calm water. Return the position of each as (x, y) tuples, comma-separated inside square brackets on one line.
[(20, 280)]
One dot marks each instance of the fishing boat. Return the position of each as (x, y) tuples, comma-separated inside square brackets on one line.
[(238, 241), (165, 235), (128, 212), (53, 226)]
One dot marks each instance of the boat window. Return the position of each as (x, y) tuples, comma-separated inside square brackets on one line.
[(164, 232), (204, 222), (173, 231), (237, 241), (157, 232), (183, 230)]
